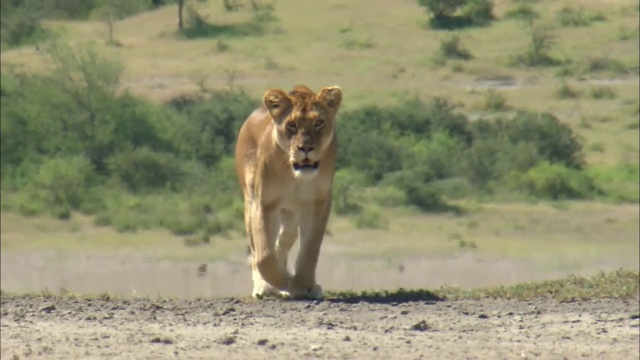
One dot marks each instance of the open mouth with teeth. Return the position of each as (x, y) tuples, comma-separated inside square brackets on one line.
[(305, 164)]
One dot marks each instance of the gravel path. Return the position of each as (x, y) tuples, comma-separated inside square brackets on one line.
[(369, 328)]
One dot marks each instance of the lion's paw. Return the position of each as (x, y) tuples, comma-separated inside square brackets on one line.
[(264, 291), (312, 293)]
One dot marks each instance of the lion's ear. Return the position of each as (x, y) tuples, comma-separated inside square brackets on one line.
[(330, 97), (277, 102)]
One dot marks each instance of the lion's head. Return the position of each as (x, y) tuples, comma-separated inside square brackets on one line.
[(304, 124)]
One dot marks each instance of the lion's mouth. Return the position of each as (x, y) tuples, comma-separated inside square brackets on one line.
[(305, 164)]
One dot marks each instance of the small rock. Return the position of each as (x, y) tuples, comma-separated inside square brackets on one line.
[(404, 312), (227, 340), (159, 340), (346, 338), (420, 326), (483, 316), (316, 347), (49, 308), (263, 342), (228, 311)]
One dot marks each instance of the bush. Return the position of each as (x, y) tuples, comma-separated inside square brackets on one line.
[(494, 101), (417, 189), (451, 48), (522, 12), (604, 63), (552, 140), (197, 25), (555, 182), (479, 12), (371, 218), (565, 91), (538, 51), (438, 156), (502, 146), (347, 187), (617, 182), (602, 92), (143, 169), (576, 17), (387, 196), (212, 123), (60, 185), (21, 22), (448, 14)]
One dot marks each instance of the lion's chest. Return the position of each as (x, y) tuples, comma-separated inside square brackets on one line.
[(295, 194)]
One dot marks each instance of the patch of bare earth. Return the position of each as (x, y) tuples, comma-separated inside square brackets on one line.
[(142, 328)]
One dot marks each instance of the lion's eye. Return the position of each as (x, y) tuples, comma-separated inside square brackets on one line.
[(291, 126), (319, 124)]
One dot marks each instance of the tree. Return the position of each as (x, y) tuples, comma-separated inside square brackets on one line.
[(180, 8)]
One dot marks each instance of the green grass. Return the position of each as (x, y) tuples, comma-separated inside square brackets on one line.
[(619, 284), (80, 235), (569, 235)]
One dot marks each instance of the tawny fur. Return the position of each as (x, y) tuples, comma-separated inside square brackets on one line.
[(285, 162)]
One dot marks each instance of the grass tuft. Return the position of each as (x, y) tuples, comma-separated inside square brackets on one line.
[(618, 284)]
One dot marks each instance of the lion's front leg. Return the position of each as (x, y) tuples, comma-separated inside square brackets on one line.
[(313, 222), (269, 273), (287, 236)]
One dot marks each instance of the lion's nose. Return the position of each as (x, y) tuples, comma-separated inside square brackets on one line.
[(305, 149)]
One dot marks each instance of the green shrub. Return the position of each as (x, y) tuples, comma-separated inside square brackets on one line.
[(372, 154), (453, 188), (502, 146), (439, 156), (538, 51), (347, 188), (494, 101), (617, 182), (417, 189), (551, 139), (449, 14), (555, 182), (522, 12), (371, 218), (604, 63), (387, 196), (565, 91), (353, 44), (451, 49), (21, 22), (576, 17), (143, 169), (211, 123), (197, 25), (61, 185), (479, 12), (490, 159), (602, 92)]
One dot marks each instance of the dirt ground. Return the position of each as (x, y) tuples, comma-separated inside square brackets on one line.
[(358, 328)]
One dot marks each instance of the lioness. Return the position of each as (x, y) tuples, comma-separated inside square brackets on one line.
[(285, 161)]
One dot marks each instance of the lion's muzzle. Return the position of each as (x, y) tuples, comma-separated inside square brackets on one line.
[(305, 164)]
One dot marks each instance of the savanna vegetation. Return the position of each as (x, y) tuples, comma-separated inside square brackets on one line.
[(75, 140)]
